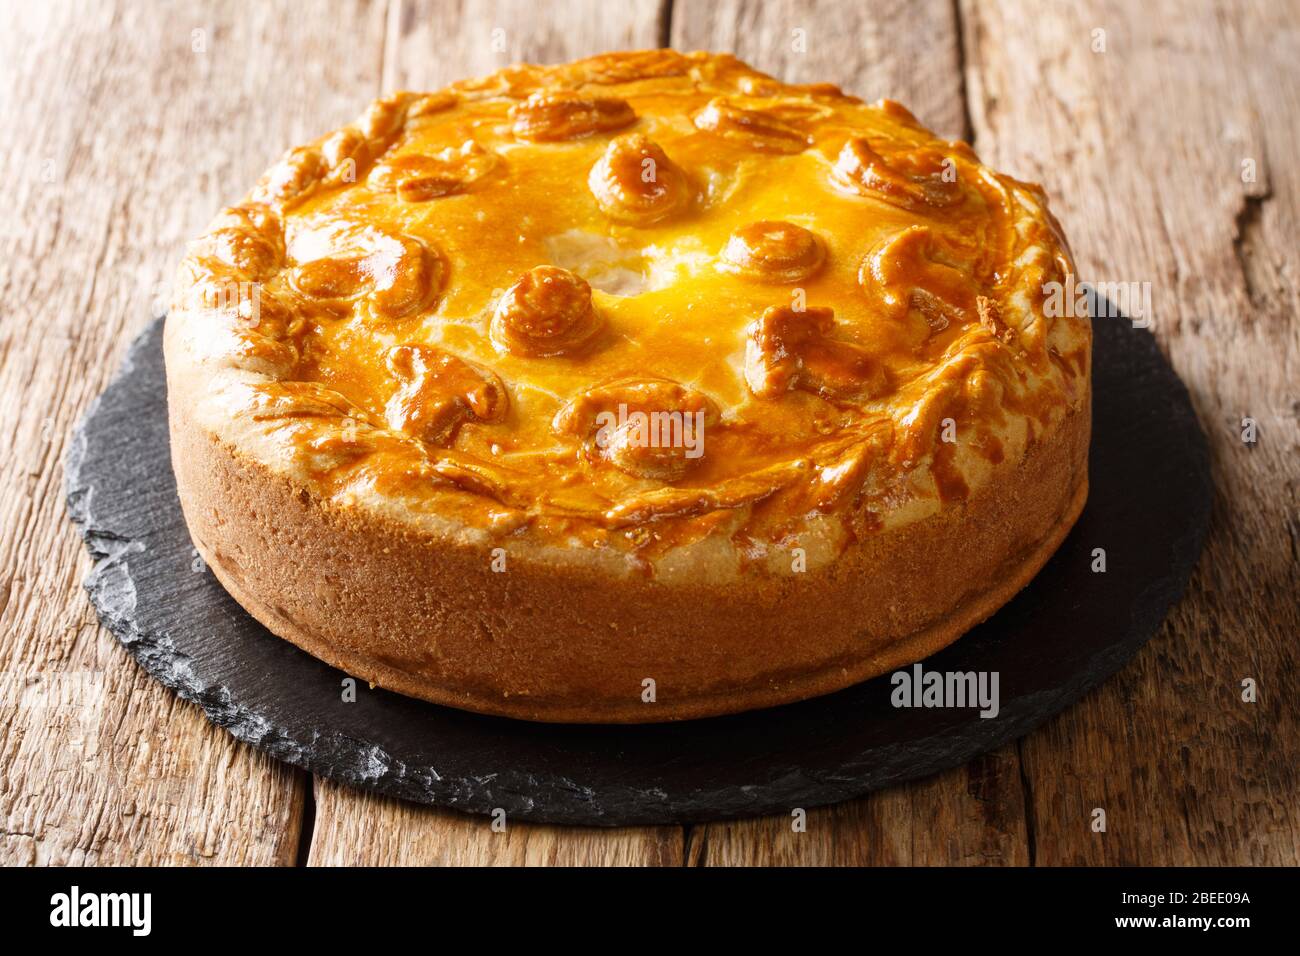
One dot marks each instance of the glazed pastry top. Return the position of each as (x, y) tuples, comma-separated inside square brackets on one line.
[(634, 302)]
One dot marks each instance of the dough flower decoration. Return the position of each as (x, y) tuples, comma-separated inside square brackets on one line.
[(388, 274), (912, 178), (754, 128), (438, 392), (550, 115), (906, 274), (774, 251), (419, 177), (787, 349), (635, 182), (649, 428), (547, 312)]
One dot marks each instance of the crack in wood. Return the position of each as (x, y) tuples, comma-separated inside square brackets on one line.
[(666, 23), (1027, 798), (392, 20), (307, 826), (1245, 244), (959, 28)]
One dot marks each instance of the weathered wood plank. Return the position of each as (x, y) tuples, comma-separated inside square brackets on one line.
[(430, 44), (1146, 149), (973, 815), (360, 829), (125, 130), (433, 43)]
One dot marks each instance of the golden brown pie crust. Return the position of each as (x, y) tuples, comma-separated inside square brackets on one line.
[(387, 367)]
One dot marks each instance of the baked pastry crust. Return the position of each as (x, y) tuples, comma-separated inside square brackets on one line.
[(405, 373)]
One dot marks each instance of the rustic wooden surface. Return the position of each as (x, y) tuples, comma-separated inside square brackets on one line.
[(125, 125)]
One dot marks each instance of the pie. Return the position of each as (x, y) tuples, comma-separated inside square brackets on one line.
[(641, 388)]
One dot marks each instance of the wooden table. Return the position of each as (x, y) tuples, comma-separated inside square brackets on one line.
[(1167, 134)]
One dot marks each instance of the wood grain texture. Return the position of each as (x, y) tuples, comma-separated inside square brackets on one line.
[(1141, 148), (973, 815), (120, 140), (431, 43), (363, 829)]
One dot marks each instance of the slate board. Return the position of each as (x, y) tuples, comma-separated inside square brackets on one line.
[(1070, 629)]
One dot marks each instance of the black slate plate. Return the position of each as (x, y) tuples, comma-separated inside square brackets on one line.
[(1068, 630)]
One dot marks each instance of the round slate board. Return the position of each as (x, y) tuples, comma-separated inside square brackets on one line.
[(1068, 630)]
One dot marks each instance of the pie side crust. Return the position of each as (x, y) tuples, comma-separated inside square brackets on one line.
[(552, 646)]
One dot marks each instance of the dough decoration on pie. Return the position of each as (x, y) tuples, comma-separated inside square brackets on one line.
[(552, 115), (775, 251), (649, 428), (905, 274), (654, 324), (439, 392), (789, 349), (391, 274), (419, 177), (635, 182), (913, 178), (547, 312), (754, 129)]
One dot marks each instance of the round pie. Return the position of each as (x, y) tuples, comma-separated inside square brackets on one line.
[(640, 388)]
